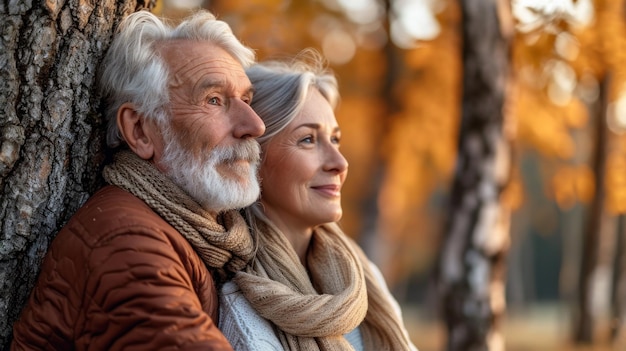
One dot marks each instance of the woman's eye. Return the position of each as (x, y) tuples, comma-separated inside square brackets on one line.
[(213, 101), (336, 140)]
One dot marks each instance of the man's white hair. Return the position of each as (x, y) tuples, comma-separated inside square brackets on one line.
[(134, 72)]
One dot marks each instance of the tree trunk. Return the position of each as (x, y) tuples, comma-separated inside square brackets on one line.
[(618, 290), (51, 129), (584, 328), (471, 266), (373, 242)]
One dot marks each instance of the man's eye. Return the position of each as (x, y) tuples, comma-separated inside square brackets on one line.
[(213, 101), (308, 140), (336, 140)]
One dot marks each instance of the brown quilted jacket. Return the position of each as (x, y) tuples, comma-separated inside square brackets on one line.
[(119, 277)]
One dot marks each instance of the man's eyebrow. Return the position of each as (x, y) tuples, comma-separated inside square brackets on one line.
[(212, 83)]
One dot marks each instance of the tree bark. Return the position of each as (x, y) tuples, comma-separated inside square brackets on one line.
[(471, 266), (51, 130)]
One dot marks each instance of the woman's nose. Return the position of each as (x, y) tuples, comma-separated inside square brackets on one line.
[(335, 161)]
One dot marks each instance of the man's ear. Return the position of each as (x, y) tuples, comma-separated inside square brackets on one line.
[(136, 131)]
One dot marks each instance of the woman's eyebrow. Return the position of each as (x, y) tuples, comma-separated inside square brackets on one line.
[(308, 125)]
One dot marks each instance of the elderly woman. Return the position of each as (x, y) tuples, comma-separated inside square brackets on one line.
[(309, 287)]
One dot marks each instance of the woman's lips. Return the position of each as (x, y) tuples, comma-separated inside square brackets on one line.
[(328, 190)]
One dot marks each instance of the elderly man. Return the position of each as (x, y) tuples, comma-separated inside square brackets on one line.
[(137, 266)]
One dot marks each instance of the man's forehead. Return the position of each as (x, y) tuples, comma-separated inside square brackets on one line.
[(182, 52), (187, 56), (187, 48)]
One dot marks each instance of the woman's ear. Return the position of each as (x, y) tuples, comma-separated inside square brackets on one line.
[(136, 131)]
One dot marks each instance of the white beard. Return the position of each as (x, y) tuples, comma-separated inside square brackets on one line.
[(201, 180)]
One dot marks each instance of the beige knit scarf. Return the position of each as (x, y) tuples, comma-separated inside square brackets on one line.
[(312, 310), (225, 247)]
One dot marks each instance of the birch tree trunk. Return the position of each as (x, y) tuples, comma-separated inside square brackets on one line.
[(471, 267), (51, 131)]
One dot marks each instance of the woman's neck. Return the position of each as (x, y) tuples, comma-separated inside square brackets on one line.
[(300, 241), (299, 236), (297, 233)]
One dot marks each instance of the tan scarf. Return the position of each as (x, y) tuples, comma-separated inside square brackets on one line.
[(313, 313), (225, 247)]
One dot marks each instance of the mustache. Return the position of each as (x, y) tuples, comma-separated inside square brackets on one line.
[(247, 150)]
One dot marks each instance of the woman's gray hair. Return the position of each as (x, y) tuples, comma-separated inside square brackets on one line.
[(281, 89), (134, 72)]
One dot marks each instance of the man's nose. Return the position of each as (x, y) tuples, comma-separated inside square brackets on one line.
[(249, 124)]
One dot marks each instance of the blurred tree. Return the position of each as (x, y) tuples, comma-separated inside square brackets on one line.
[(51, 130), (584, 318), (471, 265), (602, 44), (612, 27), (565, 52), (376, 245), (419, 147), (618, 291)]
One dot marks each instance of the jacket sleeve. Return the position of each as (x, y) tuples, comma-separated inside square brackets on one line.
[(139, 295)]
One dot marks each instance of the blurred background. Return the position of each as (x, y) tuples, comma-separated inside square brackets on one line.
[(487, 156)]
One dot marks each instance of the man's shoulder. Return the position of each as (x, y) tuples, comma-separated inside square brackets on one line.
[(113, 211), (111, 199)]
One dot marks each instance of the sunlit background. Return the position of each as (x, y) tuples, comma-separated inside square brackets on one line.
[(399, 67)]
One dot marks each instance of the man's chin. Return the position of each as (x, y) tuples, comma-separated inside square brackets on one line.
[(233, 197), (248, 196)]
